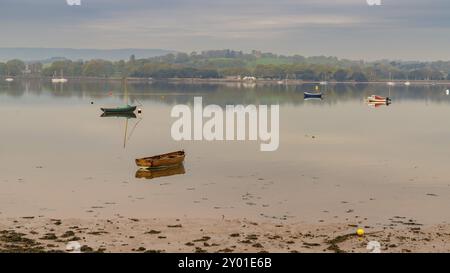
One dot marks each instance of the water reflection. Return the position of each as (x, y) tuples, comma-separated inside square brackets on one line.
[(158, 173), (126, 116), (119, 115), (221, 94), (349, 165)]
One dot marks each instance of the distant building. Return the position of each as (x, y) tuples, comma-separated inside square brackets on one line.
[(257, 53)]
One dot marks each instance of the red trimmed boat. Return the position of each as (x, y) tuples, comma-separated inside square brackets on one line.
[(378, 99)]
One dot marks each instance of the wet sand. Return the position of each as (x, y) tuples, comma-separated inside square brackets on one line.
[(40, 234)]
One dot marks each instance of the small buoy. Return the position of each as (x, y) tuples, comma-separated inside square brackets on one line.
[(360, 232), (139, 111), (92, 102)]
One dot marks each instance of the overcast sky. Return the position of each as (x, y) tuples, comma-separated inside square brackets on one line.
[(399, 29)]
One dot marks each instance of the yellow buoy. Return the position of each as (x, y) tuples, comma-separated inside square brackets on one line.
[(360, 232)]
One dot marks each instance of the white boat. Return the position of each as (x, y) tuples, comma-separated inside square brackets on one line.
[(249, 79), (9, 80), (407, 83), (323, 83), (60, 79), (390, 82)]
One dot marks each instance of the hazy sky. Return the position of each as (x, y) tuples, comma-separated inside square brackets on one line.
[(399, 29)]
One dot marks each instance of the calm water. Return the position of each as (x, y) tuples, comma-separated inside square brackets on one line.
[(59, 158)]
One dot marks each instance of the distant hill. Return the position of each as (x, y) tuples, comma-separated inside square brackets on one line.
[(40, 54)]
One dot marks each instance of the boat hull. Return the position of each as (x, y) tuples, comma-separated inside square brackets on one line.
[(118, 110), (312, 95), (170, 159), (378, 99)]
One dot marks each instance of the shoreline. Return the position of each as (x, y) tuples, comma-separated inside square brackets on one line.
[(159, 235), (237, 81)]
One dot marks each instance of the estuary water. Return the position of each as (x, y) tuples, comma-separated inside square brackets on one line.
[(338, 160)]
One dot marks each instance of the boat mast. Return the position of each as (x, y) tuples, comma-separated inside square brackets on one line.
[(126, 90)]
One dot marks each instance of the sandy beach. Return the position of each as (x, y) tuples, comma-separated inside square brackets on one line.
[(128, 235)]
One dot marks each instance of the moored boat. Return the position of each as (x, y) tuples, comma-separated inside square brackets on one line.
[(60, 79), (119, 110), (378, 99), (163, 160), (308, 95)]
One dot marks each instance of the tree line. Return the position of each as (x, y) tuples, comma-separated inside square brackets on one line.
[(229, 63)]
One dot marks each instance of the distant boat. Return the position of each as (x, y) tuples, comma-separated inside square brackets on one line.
[(323, 83), (127, 109), (308, 95), (9, 80), (164, 160), (249, 79), (378, 99), (390, 82), (408, 83), (60, 79), (55, 80)]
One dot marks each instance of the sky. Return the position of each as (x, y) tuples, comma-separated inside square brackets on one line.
[(397, 29)]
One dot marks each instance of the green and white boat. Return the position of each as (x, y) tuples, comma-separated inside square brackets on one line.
[(127, 109), (119, 110)]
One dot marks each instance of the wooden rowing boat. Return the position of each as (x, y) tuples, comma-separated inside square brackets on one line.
[(170, 159)]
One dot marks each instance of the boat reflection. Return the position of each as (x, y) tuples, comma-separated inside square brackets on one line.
[(313, 99), (119, 115), (127, 116), (160, 172), (378, 104)]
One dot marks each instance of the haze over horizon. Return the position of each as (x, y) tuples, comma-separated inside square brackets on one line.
[(400, 29)]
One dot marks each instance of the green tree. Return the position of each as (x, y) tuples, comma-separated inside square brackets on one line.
[(341, 75), (3, 69), (15, 67), (98, 68), (359, 77)]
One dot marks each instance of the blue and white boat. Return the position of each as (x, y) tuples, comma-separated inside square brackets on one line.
[(308, 95)]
